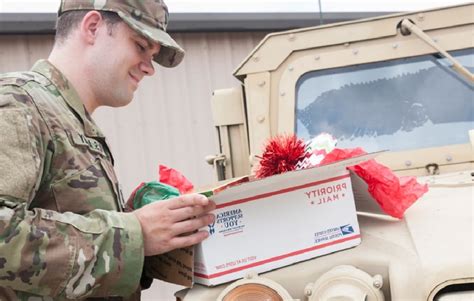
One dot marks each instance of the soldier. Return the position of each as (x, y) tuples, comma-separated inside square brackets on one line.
[(64, 230)]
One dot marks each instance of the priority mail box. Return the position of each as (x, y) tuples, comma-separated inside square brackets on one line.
[(270, 223)]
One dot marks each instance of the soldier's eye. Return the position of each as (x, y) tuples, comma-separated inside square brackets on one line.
[(140, 47)]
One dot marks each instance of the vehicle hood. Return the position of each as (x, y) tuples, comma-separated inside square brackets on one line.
[(441, 227)]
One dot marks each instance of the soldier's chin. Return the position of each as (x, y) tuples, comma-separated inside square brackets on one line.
[(117, 103), (125, 103)]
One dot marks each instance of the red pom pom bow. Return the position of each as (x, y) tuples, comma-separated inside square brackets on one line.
[(281, 154)]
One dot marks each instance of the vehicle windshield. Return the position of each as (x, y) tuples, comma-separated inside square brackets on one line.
[(401, 104)]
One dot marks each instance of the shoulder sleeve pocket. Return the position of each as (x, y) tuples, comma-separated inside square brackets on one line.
[(18, 169)]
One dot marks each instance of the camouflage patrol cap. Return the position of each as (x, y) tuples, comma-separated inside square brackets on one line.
[(148, 17)]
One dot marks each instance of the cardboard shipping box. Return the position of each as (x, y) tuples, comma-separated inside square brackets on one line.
[(271, 223)]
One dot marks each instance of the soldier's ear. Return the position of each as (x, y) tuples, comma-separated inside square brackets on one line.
[(90, 25)]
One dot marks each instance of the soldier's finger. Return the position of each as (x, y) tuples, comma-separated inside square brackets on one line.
[(188, 200), (185, 213), (192, 225), (189, 240)]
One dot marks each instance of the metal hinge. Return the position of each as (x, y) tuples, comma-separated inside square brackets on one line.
[(432, 169), (219, 162)]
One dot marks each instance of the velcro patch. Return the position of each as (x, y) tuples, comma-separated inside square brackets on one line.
[(17, 165)]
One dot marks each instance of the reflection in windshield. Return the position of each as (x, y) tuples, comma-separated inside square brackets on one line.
[(401, 104)]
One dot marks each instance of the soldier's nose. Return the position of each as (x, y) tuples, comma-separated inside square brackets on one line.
[(147, 68)]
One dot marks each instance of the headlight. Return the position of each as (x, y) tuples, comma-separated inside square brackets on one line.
[(346, 283), (254, 288)]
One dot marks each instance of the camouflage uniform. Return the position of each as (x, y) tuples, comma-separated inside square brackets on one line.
[(61, 230)]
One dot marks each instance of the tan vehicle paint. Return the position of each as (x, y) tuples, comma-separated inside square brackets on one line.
[(429, 254)]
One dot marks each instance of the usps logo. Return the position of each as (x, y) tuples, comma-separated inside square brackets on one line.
[(347, 229)]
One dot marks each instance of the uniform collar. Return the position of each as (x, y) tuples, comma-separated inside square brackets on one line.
[(69, 94)]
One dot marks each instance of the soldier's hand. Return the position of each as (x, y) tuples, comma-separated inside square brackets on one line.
[(172, 224)]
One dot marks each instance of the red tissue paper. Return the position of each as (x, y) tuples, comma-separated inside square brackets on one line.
[(339, 154), (394, 194), (174, 178), (168, 176)]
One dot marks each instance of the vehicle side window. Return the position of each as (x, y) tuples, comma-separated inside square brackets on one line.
[(401, 104)]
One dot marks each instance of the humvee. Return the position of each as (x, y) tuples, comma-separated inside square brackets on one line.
[(401, 82)]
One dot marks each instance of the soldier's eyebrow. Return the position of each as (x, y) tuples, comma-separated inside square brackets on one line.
[(142, 39)]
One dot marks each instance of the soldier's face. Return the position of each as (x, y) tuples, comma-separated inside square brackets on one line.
[(120, 61)]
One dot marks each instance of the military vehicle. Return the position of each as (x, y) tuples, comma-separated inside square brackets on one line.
[(401, 82)]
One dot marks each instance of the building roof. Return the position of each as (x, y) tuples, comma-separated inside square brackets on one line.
[(43, 23)]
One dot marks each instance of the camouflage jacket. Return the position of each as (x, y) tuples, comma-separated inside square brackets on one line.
[(62, 233)]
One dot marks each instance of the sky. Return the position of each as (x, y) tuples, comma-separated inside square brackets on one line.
[(182, 6)]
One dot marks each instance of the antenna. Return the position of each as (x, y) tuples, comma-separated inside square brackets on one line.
[(320, 13)]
